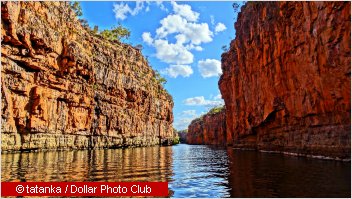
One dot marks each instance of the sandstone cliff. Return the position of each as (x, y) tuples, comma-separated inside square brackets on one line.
[(286, 78), (208, 129), (63, 87)]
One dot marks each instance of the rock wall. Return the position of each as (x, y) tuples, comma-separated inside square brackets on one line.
[(209, 129), (63, 87), (286, 79)]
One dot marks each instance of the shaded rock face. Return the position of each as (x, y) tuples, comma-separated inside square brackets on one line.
[(286, 78), (183, 136), (62, 87), (210, 129)]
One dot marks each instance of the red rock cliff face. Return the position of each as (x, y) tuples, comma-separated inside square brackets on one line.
[(63, 87), (286, 78), (210, 129)]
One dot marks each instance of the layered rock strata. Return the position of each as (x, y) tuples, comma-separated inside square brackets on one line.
[(209, 129), (286, 79), (63, 87)]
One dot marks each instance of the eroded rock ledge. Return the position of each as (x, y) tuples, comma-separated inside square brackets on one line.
[(286, 78), (65, 88)]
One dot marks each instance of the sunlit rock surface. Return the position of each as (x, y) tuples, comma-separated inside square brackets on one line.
[(62, 87)]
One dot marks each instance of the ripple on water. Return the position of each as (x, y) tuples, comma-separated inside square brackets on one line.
[(191, 170)]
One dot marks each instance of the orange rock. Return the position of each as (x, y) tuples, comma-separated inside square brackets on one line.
[(65, 88), (286, 78), (209, 129)]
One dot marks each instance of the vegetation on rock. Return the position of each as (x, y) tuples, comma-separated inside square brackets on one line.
[(116, 33)]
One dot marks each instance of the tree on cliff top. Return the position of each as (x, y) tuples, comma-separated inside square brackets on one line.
[(76, 7), (216, 109), (116, 33)]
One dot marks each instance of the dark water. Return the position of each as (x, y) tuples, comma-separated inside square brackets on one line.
[(191, 170)]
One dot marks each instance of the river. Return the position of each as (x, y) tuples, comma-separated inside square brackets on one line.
[(191, 170)]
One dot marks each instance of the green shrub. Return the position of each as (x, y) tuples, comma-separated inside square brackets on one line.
[(176, 140), (76, 7), (217, 109), (116, 33)]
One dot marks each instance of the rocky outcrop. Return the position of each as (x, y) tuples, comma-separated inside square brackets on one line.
[(63, 87), (209, 129), (286, 78)]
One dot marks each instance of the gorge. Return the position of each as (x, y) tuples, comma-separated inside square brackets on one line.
[(78, 106)]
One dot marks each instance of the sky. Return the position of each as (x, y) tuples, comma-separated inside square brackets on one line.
[(182, 40)]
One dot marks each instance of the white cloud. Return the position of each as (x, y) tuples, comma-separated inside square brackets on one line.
[(121, 10), (209, 68), (201, 101), (178, 70), (220, 27), (182, 24), (189, 113), (185, 11), (172, 53), (196, 33), (147, 38), (212, 20), (161, 6), (217, 97), (182, 123)]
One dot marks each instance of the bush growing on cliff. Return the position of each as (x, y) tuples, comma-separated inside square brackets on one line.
[(159, 78), (225, 48), (176, 140), (116, 33), (217, 109), (76, 7)]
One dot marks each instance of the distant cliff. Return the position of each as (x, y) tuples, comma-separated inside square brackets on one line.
[(183, 136), (208, 129), (63, 87), (286, 78)]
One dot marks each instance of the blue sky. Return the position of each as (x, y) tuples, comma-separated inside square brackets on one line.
[(182, 40)]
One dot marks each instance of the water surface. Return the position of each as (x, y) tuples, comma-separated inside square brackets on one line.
[(191, 170)]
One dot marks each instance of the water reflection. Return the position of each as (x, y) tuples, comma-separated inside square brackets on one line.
[(191, 170), (115, 165), (254, 174)]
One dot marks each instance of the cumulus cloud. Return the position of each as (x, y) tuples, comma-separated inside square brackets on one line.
[(178, 70), (201, 101), (185, 11), (220, 27), (147, 38), (121, 10), (196, 33), (182, 24), (172, 53), (209, 68)]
